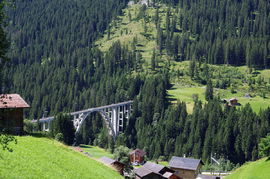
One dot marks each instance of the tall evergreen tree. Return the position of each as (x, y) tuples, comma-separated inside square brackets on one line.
[(209, 91)]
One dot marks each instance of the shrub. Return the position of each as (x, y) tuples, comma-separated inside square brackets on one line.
[(59, 137), (63, 123), (29, 126)]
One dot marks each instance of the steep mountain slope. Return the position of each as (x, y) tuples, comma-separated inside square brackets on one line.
[(136, 29), (52, 44), (212, 127), (44, 158), (52, 64)]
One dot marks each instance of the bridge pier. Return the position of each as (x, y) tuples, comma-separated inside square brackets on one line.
[(45, 126)]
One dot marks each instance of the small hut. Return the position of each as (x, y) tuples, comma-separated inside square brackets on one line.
[(119, 166), (11, 113), (155, 171), (233, 102), (137, 156)]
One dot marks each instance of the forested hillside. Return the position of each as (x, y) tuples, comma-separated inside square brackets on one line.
[(52, 63), (219, 32), (57, 65)]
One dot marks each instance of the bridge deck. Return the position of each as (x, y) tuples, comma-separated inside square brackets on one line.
[(88, 110)]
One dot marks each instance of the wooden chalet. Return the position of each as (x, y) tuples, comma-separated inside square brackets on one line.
[(233, 102), (144, 173), (186, 168), (137, 156), (154, 171), (118, 166), (11, 113)]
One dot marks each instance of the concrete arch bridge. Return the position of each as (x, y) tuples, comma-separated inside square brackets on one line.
[(114, 116)]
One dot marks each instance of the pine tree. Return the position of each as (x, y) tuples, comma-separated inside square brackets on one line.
[(209, 91)]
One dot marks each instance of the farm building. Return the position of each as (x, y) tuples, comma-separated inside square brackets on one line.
[(11, 113), (137, 156), (119, 166), (185, 168), (233, 102), (154, 171), (144, 173)]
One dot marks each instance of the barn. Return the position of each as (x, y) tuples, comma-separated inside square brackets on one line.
[(154, 171), (118, 166), (11, 113)]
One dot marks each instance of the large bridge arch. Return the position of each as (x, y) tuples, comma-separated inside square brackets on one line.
[(80, 119), (114, 115)]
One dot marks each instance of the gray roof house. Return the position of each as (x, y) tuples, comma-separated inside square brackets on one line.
[(186, 168), (184, 163)]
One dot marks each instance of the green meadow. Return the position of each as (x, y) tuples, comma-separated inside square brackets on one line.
[(184, 88), (36, 157), (95, 151), (186, 94), (258, 169)]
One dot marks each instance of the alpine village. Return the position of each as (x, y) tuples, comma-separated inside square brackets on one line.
[(138, 89)]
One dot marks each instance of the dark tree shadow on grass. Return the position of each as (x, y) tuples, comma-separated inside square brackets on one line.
[(85, 146)]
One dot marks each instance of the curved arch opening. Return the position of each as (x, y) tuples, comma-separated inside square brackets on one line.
[(93, 131)]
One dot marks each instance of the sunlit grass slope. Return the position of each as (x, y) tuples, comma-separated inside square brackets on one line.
[(252, 170), (127, 28), (44, 158), (184, 88), (95, 151)]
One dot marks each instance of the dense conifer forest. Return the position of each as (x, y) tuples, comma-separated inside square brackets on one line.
[(56, 67), (219, 32), (53, 63)]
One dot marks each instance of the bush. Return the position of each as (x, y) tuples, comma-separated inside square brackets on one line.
[(121, 154), (29, 126), (59, 137), (62, 123)]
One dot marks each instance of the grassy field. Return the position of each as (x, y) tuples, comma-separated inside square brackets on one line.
[(184, 88), (259, 169), (125, 30), (186, 93), (44, 158), (96, 152)]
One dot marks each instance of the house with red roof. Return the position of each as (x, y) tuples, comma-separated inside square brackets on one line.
[(11, 113)]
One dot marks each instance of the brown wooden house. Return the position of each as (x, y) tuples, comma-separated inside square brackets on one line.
[(155, 171), (118, 166), (186, 168), (137, 156), (144, 173), (233, 102), (11, 113)]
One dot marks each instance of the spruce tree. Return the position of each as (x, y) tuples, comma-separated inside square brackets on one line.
[(209, 91)]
